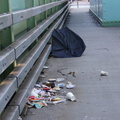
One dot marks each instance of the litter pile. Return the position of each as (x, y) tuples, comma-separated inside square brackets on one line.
[(50, 92)]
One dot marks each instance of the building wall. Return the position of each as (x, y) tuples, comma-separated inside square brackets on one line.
[(111, 9), (106, 11)]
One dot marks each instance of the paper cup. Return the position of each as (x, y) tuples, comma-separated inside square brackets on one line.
[(70, 96)]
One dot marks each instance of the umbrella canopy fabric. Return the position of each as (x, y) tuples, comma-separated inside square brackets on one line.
[(66, 43)]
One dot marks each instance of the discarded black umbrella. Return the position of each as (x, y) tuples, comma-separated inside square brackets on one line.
[(66, 43)]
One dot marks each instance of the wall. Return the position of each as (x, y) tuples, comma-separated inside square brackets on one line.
[(106, 11)]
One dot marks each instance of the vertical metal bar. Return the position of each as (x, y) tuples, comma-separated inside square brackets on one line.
[(37, 17), (31, 21), (48, 11), (6, 37), (56, 7), (4, 7), (53, 9), (77, 4), (43, 15)]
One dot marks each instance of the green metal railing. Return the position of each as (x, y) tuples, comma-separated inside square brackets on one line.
[(14, 32), (25, 31)]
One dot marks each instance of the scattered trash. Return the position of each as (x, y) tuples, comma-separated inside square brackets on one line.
[(72, 73), (49, 84), (52, 85), (70, 96), (45, 67), (52, 80), (37, 86), (104, 73), (42, 93), (55, 99), (69, 85), (29, 104), (53, 91), (42, 76), (34, 93), (50, 92), (61, 85), (66, 74), (60, 71), (60, 79), (19, 118), (46, 88), (39, 105), (60, 101), (56, 88)]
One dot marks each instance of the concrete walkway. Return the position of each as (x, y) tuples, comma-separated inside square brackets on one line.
[(98, 98)]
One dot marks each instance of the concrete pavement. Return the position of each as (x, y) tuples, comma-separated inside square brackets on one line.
[(98, 98)]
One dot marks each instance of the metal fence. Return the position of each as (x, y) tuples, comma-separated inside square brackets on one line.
[(25, 32)]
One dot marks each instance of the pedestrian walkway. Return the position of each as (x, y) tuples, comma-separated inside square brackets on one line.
[(98, 97)]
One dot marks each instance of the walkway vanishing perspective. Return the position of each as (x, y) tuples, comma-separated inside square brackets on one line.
[(98, 97)]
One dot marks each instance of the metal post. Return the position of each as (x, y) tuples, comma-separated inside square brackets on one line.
[(77, 4)]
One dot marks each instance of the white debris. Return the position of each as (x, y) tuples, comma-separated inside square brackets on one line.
[(19, 118), (45, 67), (60, 79), (70, 96), (70, 85), (42, 76), (104, 73)]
